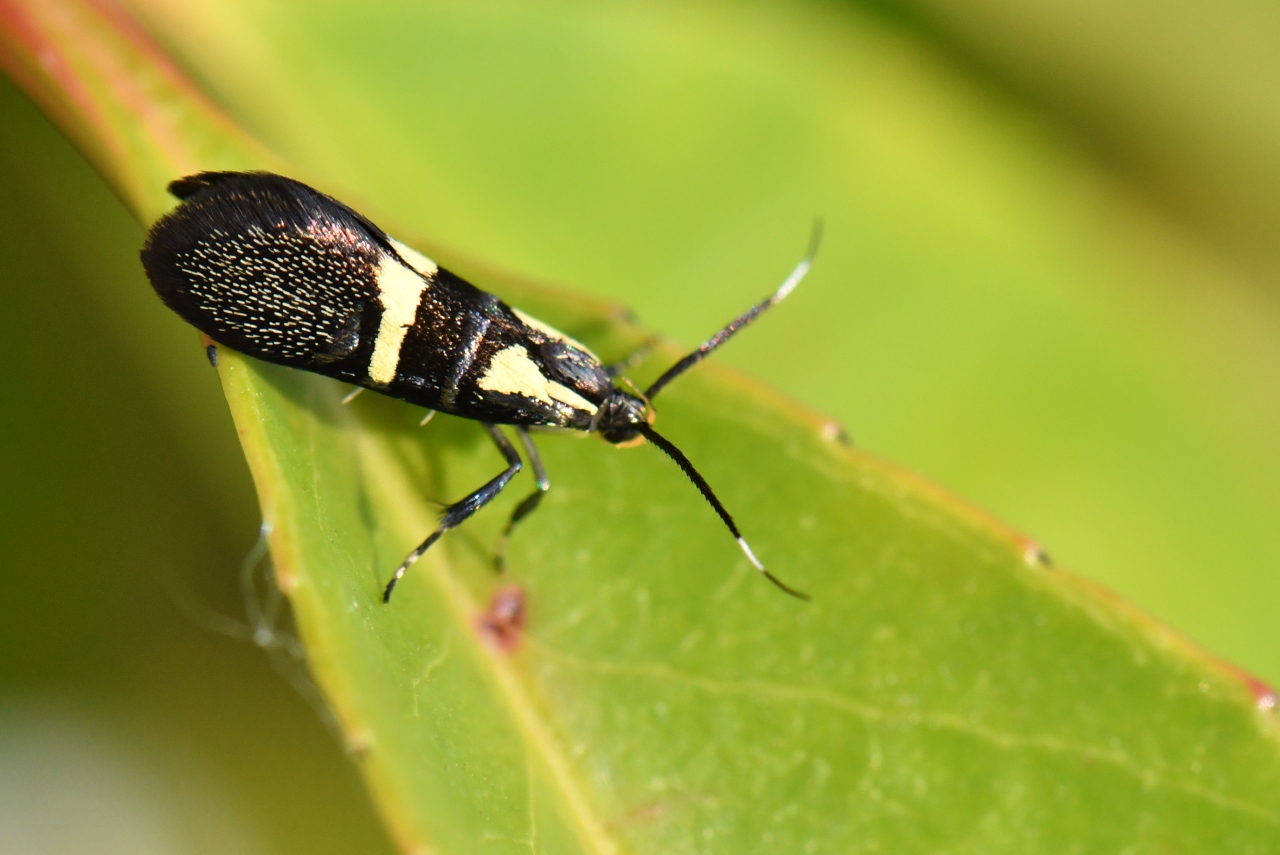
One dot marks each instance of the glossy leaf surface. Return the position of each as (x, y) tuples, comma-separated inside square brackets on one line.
[(945, 690), (665, 699), (991, 308)]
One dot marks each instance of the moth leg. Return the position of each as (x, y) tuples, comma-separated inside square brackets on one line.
[(530, 501), (456, 513)]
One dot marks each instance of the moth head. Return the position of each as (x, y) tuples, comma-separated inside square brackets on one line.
[(620, 416)]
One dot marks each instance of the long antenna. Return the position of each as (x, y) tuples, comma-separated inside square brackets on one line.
[(703, 487), (747, 317)]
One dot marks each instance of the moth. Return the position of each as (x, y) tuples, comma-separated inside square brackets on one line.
[(276, 270)]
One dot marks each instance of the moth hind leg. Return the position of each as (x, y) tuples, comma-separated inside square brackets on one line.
[(528, 504), (458, 512)]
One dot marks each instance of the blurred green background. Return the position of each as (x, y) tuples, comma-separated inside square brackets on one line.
[(1049, 284)]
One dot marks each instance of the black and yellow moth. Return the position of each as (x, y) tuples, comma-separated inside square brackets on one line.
[(269, 267)]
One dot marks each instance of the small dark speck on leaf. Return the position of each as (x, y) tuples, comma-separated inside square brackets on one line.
[(1034, 554), (503, 623), (833, 432)]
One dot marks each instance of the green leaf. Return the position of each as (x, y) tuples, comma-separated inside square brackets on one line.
[(990, 308), (665, 699), (946, 689)]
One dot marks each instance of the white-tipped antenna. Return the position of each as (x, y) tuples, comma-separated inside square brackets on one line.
[(747, 317), (705, 489)]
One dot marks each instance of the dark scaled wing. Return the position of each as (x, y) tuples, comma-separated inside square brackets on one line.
[(272, 268), (276, 270)]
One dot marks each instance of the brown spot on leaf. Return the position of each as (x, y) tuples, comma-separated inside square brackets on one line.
[(502, 624), (645, 813), (1263, 695), (359, 742)]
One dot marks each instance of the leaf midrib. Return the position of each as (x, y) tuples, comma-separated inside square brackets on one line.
[(411, 517)]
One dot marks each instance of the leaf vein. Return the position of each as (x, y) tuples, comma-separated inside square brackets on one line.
[(782, 693)]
